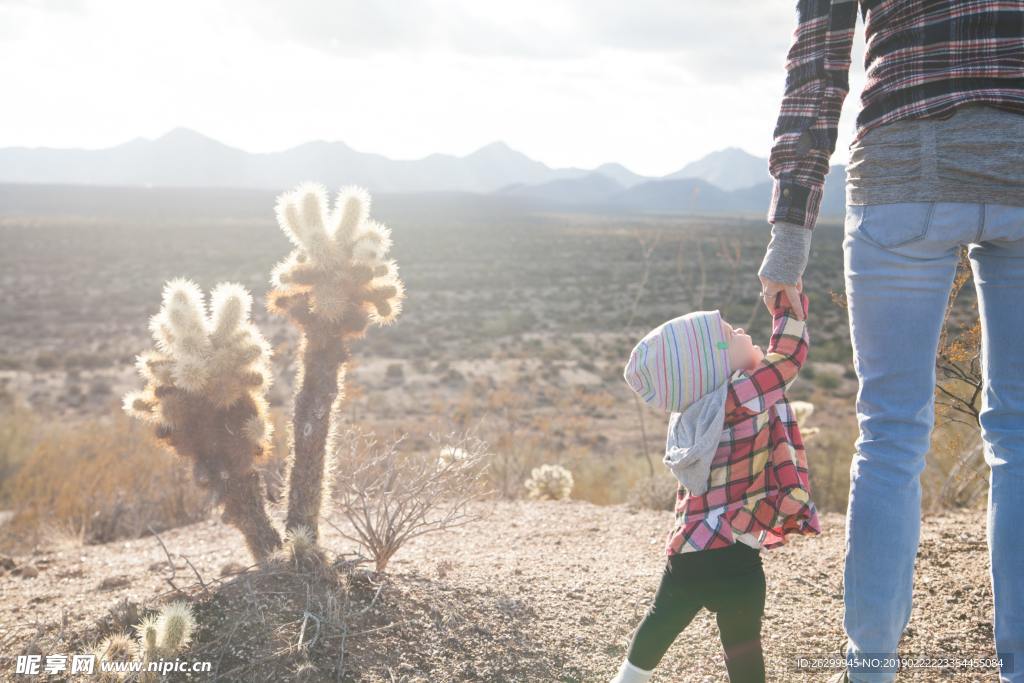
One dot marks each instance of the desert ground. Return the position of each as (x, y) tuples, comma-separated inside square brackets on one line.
[(532, 591)]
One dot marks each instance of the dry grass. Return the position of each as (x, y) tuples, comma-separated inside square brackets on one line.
[(98, 481)]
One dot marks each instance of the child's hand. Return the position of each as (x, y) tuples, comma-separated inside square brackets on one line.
[(793, 294), (782, 307)]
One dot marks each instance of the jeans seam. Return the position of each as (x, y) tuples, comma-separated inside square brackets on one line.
[(981, 222), (853, 603)]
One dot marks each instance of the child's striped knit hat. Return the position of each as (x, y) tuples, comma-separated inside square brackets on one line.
[(680, 361)]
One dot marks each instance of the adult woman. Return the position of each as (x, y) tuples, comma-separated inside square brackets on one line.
[(937, 161)]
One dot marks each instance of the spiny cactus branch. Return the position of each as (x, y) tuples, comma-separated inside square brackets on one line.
[(333, 285), (314, 406), (205, 393)]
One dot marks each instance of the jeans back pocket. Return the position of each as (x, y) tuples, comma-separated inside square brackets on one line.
[(890, 225)]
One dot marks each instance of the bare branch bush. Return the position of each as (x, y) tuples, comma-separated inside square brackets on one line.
[(957, 399), (965, 482), (959, 360), (390, 495)]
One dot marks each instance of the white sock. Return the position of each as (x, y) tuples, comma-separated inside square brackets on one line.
[(629, 673)]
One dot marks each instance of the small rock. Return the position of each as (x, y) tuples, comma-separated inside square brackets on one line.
[(163, 566), (232, 568), (112, 582), (28, 571)]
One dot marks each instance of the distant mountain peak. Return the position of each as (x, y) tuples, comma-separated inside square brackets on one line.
[(734, 152), (727, 179), (731, 168), (620, 174), (323, 144), (182, 133), (186, 138), (496, 146), (497, 150)]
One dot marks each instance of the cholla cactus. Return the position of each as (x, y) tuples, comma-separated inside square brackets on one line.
[(553, 482), (333, 285), (148, 635), (174, 627), (162, 636), (301, 551), (801, 411), (158, 636), (115, 648), (205, 391)]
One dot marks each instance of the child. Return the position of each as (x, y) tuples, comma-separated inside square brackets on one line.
[(734, 445)]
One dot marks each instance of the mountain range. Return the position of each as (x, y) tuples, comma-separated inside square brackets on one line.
[(725, 181)]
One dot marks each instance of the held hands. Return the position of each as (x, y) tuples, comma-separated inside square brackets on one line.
[(769, 288)]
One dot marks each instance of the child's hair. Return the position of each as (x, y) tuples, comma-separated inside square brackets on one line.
[(679, 361)]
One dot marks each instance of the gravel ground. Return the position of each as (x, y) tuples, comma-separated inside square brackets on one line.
[(531, 591)]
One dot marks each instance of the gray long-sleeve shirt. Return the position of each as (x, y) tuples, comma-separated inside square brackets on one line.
[(974, 155)]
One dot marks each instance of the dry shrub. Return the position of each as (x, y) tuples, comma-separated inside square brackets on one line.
[(956, 475), (18, 437), (654, 493), (390, 495), (102, 480), (610, 479), (829, 454), (524, 439)]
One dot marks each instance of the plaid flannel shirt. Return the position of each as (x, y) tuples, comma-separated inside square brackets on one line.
[(923, 59), (758, 489)]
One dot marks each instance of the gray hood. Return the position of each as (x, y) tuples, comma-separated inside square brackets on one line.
[(693, 438)]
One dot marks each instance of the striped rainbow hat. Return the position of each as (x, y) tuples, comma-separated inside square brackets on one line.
[(679, 361)]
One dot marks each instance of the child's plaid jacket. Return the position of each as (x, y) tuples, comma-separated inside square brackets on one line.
[(758, 490)]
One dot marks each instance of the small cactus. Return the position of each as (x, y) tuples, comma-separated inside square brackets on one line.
[(552, 482), (146, 631), (300, 551), (802, 410), (205, 392), (163, 635), (174, 627), (119, 647), (333, 285)]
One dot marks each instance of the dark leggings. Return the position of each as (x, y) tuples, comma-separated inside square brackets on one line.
[(729, 582)]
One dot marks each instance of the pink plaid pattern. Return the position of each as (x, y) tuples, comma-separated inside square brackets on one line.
[(759, 481)]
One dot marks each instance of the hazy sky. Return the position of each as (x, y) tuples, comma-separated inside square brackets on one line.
[(652, 84)]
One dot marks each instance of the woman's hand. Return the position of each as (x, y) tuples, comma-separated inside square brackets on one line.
[(769, 288)]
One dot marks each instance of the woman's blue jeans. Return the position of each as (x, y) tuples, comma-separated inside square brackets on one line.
[(900, 260)]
